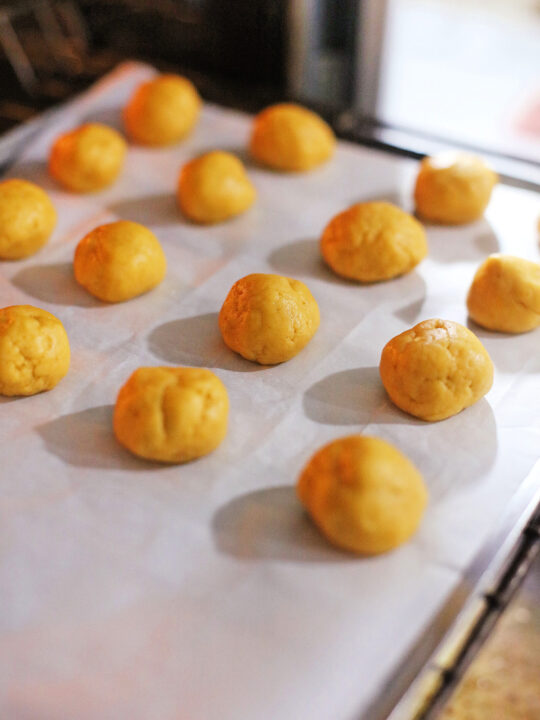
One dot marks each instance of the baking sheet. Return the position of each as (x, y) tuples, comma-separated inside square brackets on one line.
[(130, 590)]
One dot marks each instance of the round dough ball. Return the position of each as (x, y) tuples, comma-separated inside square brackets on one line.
[(119, 260), (268, 318), (214, 187), (27, 219), (373, 241), (363, 494), (505, 294), (88, 158), (453, 188), (34, 350), (171, 414), (291, 138), (436, 369), (162, 111)]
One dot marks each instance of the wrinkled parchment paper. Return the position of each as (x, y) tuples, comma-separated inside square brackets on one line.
[(202, 592)]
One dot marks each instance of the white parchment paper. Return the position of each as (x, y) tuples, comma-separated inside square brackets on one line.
[(202, 592)]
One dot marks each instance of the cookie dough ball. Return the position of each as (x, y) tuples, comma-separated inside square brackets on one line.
[(214, 187), (162, 111), (436, 369), (373, 241), (34, 350), (505, 294), (171, 414), (27, 219), (363, 494), (453, 188), (268, 318), (88, 158), (291, 138), (118, 261)]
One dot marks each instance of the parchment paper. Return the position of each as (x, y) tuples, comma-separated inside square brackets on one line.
[(202, 592)]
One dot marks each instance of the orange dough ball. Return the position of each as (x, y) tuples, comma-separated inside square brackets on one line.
[(162, 111)]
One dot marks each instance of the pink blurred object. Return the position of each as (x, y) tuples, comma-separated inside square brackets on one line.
[(529, 122)]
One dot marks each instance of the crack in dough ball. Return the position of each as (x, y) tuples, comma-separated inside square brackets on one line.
[(88, 158), (214, 187), (34, 350), (268, 318), (436, 369), (373, 241), (453, 188), (119, 260), (292, 138), (27, 219), (170, 414), (162, 111), (363, 494), (505, 294)]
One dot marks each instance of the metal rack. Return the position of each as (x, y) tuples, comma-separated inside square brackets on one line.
[(444, 654), (495, 603)]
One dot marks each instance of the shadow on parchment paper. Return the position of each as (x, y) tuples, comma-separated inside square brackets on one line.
[(349, 397), (155, 210), (35, 171), (4, 399), (54, 284), (449, 244), (358, 397), (241, 152), (411, 313), (270, 524), (389, 196), (86, 439), (107, 116), (197, 341), (303, 257), (389, 414), (470, 438), (510, 352)]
